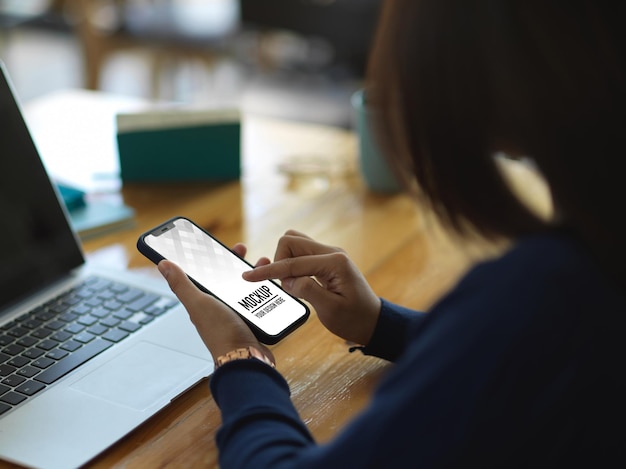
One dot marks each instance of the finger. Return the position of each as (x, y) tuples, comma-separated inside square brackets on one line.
[(304, 266), (240, 249), (263, 261), (296, 246), (184, 289), (297, 233), (310, 290)]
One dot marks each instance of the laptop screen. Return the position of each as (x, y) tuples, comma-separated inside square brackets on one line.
[(37, 245)]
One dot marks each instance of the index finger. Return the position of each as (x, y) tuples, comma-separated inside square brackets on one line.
[(303, 266), (296, 244)]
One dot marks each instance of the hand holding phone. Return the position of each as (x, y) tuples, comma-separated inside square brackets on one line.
[(270, 312)]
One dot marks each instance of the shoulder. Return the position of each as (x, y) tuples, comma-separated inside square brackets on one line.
[(543, 298), (549, 271), (519, 346), (548, 257)]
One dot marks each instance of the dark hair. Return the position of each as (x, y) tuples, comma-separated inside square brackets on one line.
[(455, 81)]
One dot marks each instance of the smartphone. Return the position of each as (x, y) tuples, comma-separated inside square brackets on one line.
[(270, 312)]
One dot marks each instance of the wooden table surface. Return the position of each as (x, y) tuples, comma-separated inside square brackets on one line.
[(400, 249)]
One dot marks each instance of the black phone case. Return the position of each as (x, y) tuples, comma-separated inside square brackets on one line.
[(261, 335)]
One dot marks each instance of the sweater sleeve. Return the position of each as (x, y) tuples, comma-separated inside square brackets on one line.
[(392, 331), (257, 411)]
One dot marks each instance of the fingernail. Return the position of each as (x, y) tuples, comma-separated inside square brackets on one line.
[(287, 283)]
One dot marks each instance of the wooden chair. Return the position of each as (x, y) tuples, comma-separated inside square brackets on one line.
[(106, 27), (347, 25)]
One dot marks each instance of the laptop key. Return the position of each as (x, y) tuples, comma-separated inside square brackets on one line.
[(61, 336), (88, 320), (71, 345), (115, 335), (59, 308), (57, 354), (93, 301), (113, 304), (130, 295), (30, 387), (28, 371), (44, 316), (47, 344), (6, 370), (83, 293), (18, 331), (98, 329), (146, 320), (84, 337), (72, 300), (100, 312), (55, 325), (110, 322), (98, 284), (80, 309), (5, 340), (123, 313), (62, 367), (12, 349), (18, 361), (41, 333), (129, 326), (33, 353), (4, 408), (74, 328), (8, 325), (68, 317), (27, 341), (119, 287), (141, 303), (32, 324), (12, 398), (43, 362), (13, 380)]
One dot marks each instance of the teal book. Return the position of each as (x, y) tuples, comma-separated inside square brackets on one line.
[(92, 214), (179, 145), (72, 197), (98, 217)]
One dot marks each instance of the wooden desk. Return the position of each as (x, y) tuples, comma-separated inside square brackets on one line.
[(401, 251)]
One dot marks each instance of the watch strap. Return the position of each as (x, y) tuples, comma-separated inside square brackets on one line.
[(243, 353)]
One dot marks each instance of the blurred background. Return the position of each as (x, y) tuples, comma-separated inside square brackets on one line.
[(294, 59)]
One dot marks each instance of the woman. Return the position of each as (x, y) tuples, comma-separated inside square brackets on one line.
[(519, 365)]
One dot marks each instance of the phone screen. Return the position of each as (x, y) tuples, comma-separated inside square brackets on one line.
[(219, 270)]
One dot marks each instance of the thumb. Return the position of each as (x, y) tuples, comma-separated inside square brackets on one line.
[(178, 281)]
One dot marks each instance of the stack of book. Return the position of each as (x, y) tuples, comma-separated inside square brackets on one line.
[(95, 214)]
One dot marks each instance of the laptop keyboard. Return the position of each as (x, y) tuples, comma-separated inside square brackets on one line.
[(48, 342)]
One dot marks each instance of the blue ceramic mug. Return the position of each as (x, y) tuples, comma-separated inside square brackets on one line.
[(375, 170)]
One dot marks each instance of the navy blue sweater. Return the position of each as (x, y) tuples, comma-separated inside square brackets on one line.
[(520, 365)]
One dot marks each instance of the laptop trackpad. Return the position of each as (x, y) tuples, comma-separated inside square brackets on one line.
[(140, 376)]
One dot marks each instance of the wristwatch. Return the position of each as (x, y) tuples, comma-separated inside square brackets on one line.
[(242, 354)]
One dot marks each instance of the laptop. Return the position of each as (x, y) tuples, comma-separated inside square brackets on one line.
[(86, 354)]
